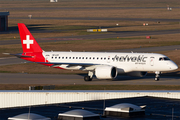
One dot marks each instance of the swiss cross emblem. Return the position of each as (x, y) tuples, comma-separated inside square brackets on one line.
[(28, 41)]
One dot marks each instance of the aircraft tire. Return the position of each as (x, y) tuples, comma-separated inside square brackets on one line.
[(156, 78), (87, 78)]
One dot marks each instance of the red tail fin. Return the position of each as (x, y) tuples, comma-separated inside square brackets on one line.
[(28, 42)]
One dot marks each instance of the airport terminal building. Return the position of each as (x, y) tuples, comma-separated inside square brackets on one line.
[(4, 21)]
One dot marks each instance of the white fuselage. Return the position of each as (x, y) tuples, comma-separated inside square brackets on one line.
[(124, 62)]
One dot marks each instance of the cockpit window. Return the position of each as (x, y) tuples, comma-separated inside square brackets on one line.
[(164, 58)]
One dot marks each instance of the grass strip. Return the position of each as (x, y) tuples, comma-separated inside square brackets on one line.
[(93, 87)]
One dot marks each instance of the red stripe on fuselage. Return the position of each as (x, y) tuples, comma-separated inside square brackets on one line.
[(38, 57)]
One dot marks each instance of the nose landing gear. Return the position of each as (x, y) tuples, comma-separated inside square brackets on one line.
[(157, 76)]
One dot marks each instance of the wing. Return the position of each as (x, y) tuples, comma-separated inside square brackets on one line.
[(71, 66)]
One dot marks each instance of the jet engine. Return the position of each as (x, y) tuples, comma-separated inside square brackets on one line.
[(105, 72), (137, 74)]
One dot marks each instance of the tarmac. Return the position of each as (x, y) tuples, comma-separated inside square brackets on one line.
[(79, 8), (96, 36), (55, 79), (99, 18)]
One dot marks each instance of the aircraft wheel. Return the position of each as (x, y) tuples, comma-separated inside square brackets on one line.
[(156, 78), (87, 78)]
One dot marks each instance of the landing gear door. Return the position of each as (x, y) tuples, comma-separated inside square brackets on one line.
[(152, 61)]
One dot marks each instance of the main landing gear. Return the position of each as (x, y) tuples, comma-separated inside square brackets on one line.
[(157, 76), (89, 76)]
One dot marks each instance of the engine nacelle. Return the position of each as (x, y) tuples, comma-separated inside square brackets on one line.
[(137, 74), (105, 72)]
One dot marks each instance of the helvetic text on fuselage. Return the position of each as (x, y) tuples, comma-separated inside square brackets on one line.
[(141, 59)]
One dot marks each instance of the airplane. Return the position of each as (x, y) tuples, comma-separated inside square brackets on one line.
[(104, 65)]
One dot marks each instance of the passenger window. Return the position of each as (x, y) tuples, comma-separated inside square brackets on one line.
[(73, 57), (69, 57), (79, 57), (66, 57), (82, 57), (62, 57), (59, 57)]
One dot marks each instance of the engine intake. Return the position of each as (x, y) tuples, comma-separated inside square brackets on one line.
[(106, 72)]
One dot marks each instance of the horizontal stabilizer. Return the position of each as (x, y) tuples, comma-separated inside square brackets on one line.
[(18, 55)]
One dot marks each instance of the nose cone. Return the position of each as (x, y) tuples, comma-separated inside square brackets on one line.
[(174, 66)]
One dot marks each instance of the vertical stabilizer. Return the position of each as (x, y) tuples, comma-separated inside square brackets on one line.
[(29, 44)]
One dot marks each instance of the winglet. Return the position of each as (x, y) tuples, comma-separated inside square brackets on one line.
[(29, 44)]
